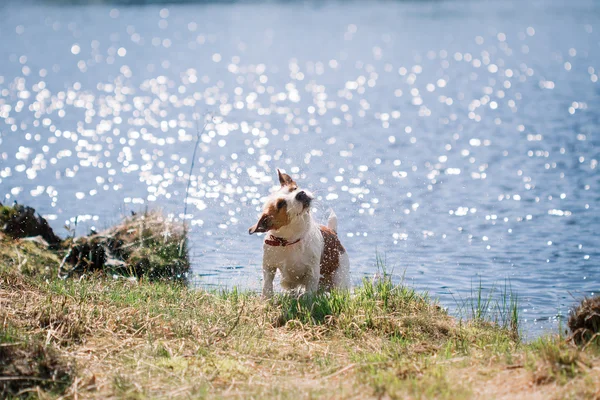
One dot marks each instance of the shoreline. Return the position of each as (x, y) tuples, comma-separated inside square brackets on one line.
[(93, 336)]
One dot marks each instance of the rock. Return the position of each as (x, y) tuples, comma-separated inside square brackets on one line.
[(144, 245), (86, 254), (37, 239), (20, 222)]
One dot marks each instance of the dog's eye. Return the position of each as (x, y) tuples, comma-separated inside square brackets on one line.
[(280, 204)]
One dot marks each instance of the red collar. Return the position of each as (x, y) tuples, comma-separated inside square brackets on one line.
[(277, 241)]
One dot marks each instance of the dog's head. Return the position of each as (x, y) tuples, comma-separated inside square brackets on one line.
[(283, 207)]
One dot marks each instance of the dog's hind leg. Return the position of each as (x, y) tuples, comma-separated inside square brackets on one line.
[(341, 277)]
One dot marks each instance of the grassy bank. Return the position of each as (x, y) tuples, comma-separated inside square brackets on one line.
[(100, 337)]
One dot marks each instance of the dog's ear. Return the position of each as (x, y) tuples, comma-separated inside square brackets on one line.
[(263, 224), (285, 179)]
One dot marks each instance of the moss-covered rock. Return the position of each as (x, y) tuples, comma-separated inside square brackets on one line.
[(145, 245), (27, 257), (20, 222), (584, 321)]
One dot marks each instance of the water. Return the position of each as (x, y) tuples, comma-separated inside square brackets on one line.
[(456, 139)]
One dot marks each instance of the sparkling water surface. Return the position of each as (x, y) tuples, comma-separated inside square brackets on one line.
[(458, 140)]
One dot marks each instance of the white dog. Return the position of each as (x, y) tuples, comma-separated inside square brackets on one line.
[(309, 256)]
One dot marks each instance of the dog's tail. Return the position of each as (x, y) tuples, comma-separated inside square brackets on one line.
[(332, 222)]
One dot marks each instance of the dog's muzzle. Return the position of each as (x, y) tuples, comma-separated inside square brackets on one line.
[(303, 198)]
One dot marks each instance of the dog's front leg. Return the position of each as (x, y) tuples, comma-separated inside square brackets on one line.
[(312, 283), (268, 277)]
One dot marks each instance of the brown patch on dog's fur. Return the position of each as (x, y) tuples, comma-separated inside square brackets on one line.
[(286, 180), (330, 258), (272, 218)]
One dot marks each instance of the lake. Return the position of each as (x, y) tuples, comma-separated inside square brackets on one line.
[(457, 140)]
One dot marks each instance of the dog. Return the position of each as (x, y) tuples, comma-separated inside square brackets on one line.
[(309, 256)]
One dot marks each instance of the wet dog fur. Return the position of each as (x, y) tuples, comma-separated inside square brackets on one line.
[(309, 256)]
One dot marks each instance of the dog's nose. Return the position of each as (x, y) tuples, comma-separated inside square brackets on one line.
[(302, 196), (304, 199)]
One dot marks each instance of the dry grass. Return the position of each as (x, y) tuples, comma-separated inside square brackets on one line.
[(99, 337), (584, 322), (27, 364)]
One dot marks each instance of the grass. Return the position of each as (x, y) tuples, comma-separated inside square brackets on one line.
[(584, 322), (556, 360), (499, 307), (28, 365), (148, 245), (145, 245), (6, 213), (100, 337)]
